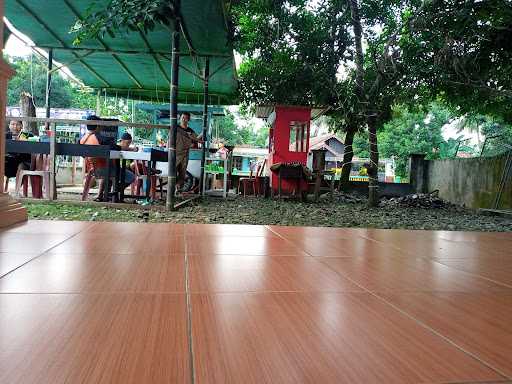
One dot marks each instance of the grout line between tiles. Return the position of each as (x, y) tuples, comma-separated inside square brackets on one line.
[(189, 311), (499, 381), (422, 324), (44, 253), (94, 293), (473, 274), (432, 259)]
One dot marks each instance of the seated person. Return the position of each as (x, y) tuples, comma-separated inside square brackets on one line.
[(99, 165), (126, 143), (16, 161)]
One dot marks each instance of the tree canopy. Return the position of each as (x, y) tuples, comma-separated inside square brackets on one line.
[(462, 51), (31, 77), (231, 132), (291, 51)]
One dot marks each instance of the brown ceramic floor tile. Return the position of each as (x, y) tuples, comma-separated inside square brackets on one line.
[(151, 243), (242, 246), (134, 229), (29, 242), (433, 244), (287, 321), (475, 236), (319, 338), (357, 246), (227, 273), (494, 268), (393, 234), (41, 227), (409, 275), (69, 273), (456, 250), (230, 230), (93, 339), (10, 261), (480, 323), (311, 232)]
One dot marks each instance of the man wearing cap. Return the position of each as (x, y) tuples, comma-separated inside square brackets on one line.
[(185, 139)]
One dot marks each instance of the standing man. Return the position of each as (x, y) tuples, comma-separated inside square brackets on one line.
[(185, 139)]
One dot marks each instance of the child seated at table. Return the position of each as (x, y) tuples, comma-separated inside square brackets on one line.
[(126, 143)]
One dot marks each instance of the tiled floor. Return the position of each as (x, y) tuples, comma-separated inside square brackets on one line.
[(167, 303)]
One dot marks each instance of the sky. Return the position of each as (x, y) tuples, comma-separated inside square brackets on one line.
[(15, 47)]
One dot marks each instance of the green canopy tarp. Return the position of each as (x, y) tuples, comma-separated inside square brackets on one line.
[(134, 64)]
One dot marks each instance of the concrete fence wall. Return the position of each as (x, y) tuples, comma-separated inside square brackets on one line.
[(473, 182)]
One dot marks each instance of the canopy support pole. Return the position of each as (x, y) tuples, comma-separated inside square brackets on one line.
[(98, 103), (205, 123), (49, 83), (175, 61)]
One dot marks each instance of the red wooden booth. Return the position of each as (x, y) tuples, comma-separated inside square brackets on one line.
[(288, 143)]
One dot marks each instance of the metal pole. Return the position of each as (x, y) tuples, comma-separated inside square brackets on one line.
[(175, 60), (98, 103), (49, 83), (52, 194), (205, 122)]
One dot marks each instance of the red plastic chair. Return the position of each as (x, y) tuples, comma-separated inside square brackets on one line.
[(38, 175), (254, 182), (142, 171)]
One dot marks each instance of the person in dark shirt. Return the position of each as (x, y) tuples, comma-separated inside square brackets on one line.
[(15, 161)]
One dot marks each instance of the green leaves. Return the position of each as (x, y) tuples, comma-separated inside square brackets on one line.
[(121, 16), (291, 51), (240, 132), (464, 51), (31, 77)]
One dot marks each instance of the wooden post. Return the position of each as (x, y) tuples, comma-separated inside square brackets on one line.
[(52, 195), (11, 211), (175, 59), (73, 170), (318, 169), (205, 122)]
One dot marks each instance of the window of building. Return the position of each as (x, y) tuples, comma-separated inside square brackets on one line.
[(237, 162), (298, 136)]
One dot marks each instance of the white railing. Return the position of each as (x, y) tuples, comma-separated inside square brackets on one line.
[(101, 123)]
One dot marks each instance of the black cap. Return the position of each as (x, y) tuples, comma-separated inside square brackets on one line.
[(92, 127), (126, 136)]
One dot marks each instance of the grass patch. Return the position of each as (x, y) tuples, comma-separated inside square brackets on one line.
[(271, 212)]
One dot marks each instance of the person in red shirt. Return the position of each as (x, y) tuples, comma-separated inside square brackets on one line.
[(94, 164)]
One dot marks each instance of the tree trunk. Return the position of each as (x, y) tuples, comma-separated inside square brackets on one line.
[(359, 59), (28, 109), (373, 170), (368, 110), (348, 154)]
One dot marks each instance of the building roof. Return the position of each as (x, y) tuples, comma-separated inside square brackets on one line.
[(264, 111), (320, 142), (316, 142), (250, 151)]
